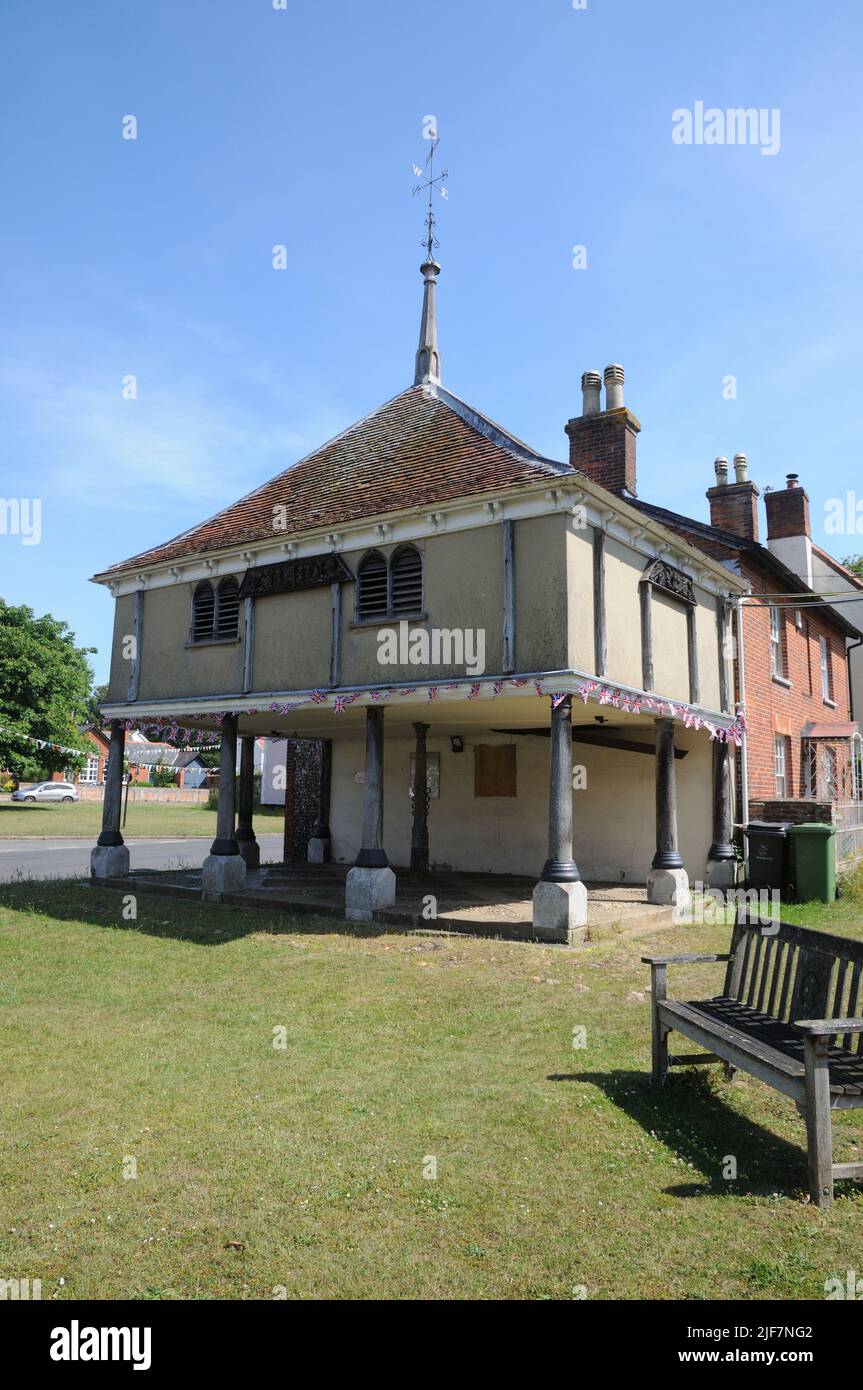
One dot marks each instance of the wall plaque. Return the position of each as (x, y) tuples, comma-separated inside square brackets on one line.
[(664, 576), (289, 576)]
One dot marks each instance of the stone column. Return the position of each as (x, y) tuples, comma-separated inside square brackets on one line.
[(667, 882), (245, 837), (224, 868), (560, 897), (371, 883), (721, 862), (110, 855), (420, 829), (319, 844)]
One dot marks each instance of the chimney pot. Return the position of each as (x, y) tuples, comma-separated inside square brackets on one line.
[(734, 506), (788, 519), (591, 385), (613, 375)]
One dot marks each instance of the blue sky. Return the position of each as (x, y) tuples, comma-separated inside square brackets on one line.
[(299, 126)]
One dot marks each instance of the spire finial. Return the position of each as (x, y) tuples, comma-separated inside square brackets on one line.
[(428, 356)]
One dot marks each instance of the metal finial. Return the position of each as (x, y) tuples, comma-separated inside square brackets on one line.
[(431, 242)]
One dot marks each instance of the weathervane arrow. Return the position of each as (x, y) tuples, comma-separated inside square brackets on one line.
[(431, 183)]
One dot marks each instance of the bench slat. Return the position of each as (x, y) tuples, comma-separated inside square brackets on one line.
[(773, 1044)]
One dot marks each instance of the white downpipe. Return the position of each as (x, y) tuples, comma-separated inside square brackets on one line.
[(744, 746)]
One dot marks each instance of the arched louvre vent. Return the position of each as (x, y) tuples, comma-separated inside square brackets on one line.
[(372, 587), (407, 581), (203, 612), (228, 614)]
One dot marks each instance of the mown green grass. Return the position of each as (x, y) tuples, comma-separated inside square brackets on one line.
[(302, 1168), (153, 820)]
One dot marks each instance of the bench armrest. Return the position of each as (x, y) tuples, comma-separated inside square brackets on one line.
[(821, 1027), (686, 959)]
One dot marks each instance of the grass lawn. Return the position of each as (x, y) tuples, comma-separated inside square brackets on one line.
[(302, 1168), (157, 820)]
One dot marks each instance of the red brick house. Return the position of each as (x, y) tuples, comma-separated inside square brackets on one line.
[(142, 756), (803, 745), (801, 657)]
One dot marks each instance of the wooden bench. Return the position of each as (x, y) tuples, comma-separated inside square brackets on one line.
[(787, 1015)]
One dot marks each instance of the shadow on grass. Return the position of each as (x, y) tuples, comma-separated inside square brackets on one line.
[(692, 1118), (185, 919)]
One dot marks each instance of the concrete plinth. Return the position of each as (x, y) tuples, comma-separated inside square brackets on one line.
[(223, 873), (250, 853), (318, 850), (668, 887), (109, 861), (366, 890), (721, 873), (560, 911)]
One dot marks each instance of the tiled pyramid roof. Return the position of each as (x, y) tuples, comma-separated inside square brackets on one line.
[(422, 447)]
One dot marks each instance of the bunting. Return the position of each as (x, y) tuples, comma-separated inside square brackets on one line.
[(601, 692)]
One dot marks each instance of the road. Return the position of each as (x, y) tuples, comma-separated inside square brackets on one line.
[(71, 858)]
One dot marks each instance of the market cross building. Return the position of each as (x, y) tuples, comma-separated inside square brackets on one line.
[(605, 641)]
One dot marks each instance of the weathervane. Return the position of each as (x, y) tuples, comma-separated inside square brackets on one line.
[(431, 242)]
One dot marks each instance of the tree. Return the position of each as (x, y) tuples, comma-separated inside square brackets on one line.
[(854, 563), (45, 682), (97, 697)]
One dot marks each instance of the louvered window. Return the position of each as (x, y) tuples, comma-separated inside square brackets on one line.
[(406, 579), (372, 587), (203, 613), (228, 608)]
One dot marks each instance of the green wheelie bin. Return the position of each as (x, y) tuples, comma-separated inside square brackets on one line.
[(814, 861)]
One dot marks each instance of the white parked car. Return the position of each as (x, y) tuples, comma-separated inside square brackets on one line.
[(47, 791)]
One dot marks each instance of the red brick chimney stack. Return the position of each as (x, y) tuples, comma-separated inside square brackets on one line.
[(602, 442), (787, 511), (734, 506)]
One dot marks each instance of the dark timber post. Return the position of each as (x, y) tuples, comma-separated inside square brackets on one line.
[(420, 830), (319, 841), (110, 856), (560, 867), (667, 855), (560, 897), (110, 834), (372, 855), (371, 883), (224, 867), (667, 881), (721, 863), (225, 842), (245, 837)]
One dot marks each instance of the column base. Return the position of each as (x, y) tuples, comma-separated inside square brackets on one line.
[(367, 890), (668, 887), (109, 861), (223, 873), (250, 853), (318, 851), (721, 873), (560, 912)]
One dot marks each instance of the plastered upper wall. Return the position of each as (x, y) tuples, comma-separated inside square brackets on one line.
[(124, 626), (540, 551), (170, 664), (580, 617), (463, 577), (623, 570), (670, 647)]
